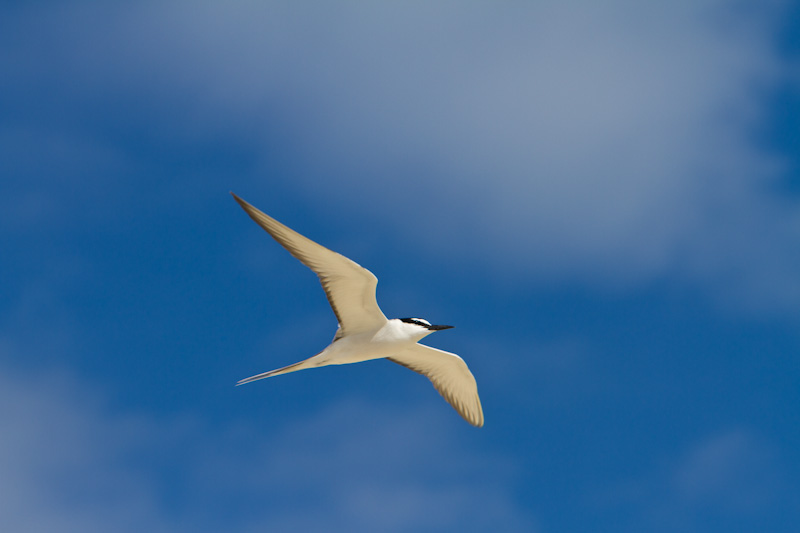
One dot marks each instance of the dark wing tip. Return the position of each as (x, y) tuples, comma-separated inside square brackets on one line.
[(238, 200), (249, 209)]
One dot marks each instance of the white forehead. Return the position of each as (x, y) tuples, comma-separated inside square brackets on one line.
[(423, 321)]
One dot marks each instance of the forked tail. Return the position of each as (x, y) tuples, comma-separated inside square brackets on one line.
[(307, 363)]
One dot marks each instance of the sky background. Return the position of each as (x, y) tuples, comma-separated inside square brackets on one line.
[(603, 198)]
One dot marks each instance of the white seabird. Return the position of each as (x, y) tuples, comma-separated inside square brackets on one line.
[(364, 332)]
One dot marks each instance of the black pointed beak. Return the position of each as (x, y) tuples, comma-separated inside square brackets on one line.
[(437, 328)]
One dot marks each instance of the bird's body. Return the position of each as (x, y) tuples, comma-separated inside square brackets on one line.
[(390, 338), (364, 332)]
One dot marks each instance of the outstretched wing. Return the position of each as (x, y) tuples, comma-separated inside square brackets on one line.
[(449, 374), (350, 288)]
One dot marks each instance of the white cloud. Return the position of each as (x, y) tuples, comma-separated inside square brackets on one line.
[(365, 470), (63, 462), (73, 464), (609, 143), (733, 477), (733, 470)]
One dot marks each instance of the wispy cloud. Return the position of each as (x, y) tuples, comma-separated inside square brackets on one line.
[(734, 472), (734, 478), (71, 463), (611, 144), (66, 464)]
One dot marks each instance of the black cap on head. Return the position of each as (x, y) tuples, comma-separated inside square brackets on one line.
[(424, 323)]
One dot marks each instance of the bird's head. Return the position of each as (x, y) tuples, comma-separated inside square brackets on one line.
[(421, 326)]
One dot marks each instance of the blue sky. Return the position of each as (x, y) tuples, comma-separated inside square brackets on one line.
[(603, 199)]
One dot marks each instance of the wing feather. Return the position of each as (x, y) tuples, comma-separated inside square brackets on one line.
[(350, 288), (449, 375)]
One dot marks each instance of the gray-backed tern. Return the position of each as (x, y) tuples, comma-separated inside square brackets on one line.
[(364, 332)]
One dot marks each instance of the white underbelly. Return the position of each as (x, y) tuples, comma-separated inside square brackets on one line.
[(360, 348)]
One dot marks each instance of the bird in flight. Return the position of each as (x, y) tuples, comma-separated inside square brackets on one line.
[(364, 332)]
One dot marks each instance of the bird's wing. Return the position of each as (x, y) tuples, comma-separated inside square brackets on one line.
[(449, 374), (350, 288)]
